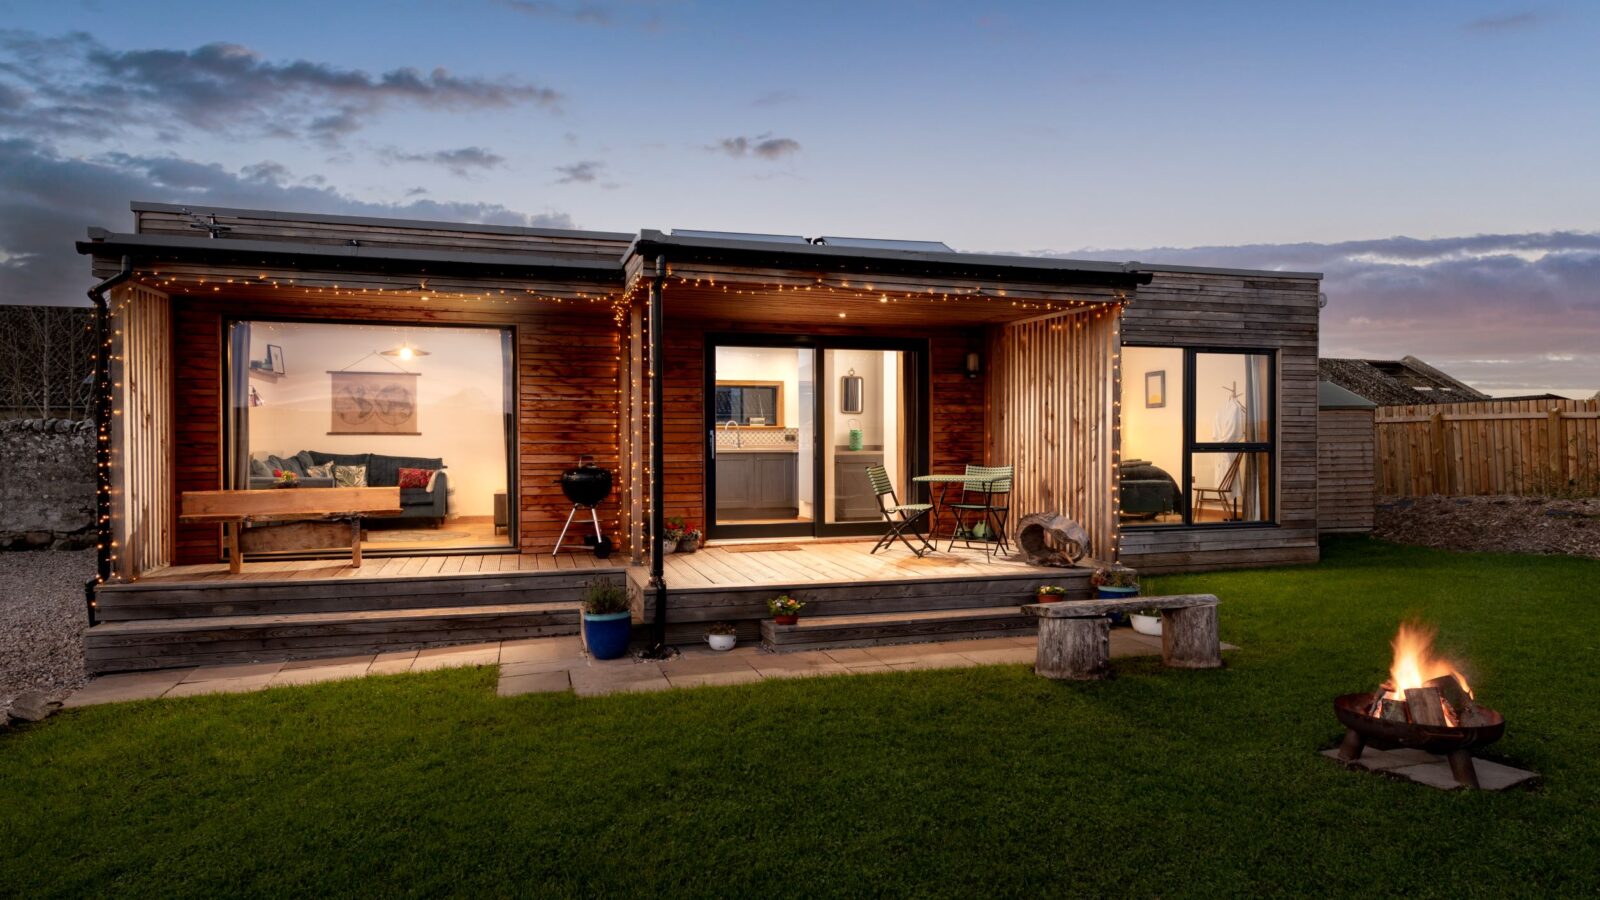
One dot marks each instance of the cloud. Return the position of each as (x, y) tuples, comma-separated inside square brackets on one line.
[(580, 13), (47, 200), (582, 172), (1503, 312), (763, 146), (74, 85), (462, 161), (1506, 21)]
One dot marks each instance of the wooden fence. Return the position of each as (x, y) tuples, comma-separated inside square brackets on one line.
[(1494, 447)]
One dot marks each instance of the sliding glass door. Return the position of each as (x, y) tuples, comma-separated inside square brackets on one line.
[(794, 423)]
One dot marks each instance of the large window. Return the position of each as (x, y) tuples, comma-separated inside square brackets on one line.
[(426, 409), (1197, 436)]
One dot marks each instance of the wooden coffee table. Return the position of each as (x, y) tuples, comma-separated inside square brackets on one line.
[(323, 514)]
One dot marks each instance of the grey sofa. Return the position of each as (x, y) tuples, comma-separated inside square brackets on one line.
[(382, 471)]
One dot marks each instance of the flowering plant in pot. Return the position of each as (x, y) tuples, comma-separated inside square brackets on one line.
[(1049, 593), (1115, 583), (285, 479), (1146, 621), (607, 618), (672, 535), (785, 609), (689, 540), (722, 636)]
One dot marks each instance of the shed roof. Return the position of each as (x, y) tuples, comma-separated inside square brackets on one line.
[(1332, 396), (1397, 382)]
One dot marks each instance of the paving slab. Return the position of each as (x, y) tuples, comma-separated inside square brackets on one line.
[(453, 657), (397, 662), (318, 674), (534, 683), (993, 656), (1433, 770), (242, 670), (539, 666), (705, 665), (323, 662), (703, 679), (852, 656), (221, 686), (599, 681), (539, 649), (936, 661), (126, 686)]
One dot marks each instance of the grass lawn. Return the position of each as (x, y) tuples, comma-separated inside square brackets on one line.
[(974, 781)]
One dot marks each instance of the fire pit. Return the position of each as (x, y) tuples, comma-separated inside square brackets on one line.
[(1426, 705)]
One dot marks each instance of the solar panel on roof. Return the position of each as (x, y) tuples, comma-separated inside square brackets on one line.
[(740, 236), (886, 244)]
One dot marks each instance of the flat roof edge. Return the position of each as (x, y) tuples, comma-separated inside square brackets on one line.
[(380, 221), (1223, 270), (107, 243)]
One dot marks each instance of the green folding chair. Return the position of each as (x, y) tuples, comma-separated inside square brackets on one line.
[(910, 514), (987, 492)]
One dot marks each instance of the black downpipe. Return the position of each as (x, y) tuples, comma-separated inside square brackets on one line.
[(658, 492), (102, 430)]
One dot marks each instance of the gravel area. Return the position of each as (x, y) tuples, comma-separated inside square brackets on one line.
[(42, 619), (1502, 524)]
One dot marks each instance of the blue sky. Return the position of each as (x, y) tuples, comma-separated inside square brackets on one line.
[(1263, 129)]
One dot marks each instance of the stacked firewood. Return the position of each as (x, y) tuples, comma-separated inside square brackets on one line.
[(1443, 701)]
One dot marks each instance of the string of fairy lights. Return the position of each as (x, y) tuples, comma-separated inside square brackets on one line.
[(863, 297)]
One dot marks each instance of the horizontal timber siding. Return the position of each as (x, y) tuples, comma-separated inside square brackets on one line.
[(1230, 310), (1346, 488)]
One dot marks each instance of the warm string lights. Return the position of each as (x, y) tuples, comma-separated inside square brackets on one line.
[(198, 285)]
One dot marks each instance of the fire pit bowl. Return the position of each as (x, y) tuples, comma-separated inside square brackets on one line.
[(1385, 734)]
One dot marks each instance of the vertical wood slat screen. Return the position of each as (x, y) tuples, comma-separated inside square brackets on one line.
[(1491, 447), (142, 513), (1054, 414)]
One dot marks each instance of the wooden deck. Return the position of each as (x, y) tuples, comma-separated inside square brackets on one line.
[(202, 614)]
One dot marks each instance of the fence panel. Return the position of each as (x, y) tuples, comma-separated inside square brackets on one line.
[(1492, 447)]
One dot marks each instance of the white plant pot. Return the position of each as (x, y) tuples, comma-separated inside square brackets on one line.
[(722, 641), (669, 547), (1150, 625)]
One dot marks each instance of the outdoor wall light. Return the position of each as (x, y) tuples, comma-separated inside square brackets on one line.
[(974, 364)]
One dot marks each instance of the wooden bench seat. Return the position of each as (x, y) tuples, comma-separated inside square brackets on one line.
[(1075, 635)]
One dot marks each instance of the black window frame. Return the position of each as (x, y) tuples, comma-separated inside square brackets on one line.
[(1191, 446)]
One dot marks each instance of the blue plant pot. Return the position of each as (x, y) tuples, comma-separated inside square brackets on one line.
[(607, 635), (1108, 592)]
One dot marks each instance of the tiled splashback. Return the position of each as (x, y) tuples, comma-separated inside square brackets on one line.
[(758, 437)]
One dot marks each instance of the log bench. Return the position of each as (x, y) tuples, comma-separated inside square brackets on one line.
[(324, 517), (1075, 636)]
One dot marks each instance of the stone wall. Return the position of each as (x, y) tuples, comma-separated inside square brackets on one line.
[(47, 484)]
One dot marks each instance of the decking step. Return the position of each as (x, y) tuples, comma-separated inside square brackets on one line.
[(165, 643), (875, 629), (159, 599)]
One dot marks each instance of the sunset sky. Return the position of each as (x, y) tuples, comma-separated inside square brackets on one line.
[(1440, 161)]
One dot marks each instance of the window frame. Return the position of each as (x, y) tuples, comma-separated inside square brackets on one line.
[(1191, 446)]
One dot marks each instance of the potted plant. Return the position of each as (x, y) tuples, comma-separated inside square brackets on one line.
[(284, 478), (785, 609), (1115, 583), (722, 636), (607, 618), (689, 540), (1049, 593), (672, 535), (1146, 621)]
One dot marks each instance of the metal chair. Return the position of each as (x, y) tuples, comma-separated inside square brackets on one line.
[(909, 513), (990, 482)]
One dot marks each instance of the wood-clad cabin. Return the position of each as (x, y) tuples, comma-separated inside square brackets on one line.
[(1172, 411), (1346, 465)]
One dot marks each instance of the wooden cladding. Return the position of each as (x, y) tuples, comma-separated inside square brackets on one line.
[(1053, 414), (142, 522), (1346, 493), (1494, 447)]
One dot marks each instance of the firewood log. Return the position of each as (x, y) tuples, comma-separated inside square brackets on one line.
[(1451, 690), (1425, 706)]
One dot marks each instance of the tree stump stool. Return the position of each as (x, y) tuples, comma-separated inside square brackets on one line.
[(1075, 637)]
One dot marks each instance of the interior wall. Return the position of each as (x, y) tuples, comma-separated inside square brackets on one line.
[(1153, 433), (460, 388)]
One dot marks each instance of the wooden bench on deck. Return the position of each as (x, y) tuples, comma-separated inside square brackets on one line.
[(1075, 636), (326, 517)]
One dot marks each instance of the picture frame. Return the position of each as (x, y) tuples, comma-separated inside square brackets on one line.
[(275, 359), (1155, 389)]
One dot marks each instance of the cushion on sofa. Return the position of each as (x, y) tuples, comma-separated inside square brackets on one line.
[(343, 459), (259, 468), (384, 471), (290, 464), (421, 479), (349, 476)]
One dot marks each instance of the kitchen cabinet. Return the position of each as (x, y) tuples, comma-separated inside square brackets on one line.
[(757, 484), (853, 500)]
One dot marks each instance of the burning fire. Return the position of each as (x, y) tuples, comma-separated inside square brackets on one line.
[(1414, 663)]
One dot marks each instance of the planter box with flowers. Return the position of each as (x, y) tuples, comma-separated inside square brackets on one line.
[(1049, 593), (689, 540), (785, 609)]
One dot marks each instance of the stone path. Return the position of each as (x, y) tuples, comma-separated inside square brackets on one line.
[(548, 665)]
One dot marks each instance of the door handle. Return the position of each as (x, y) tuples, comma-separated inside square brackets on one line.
[(712, 435)]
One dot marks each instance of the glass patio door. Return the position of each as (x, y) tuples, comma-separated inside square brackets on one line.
[(792, 425)]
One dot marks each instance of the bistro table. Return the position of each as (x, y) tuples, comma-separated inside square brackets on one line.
[(937, 498)]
